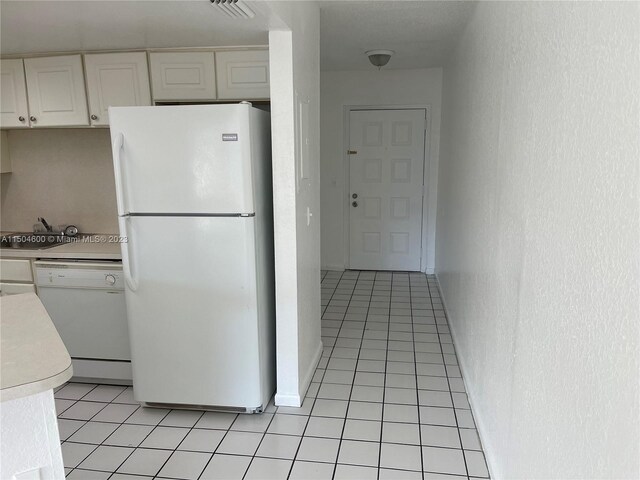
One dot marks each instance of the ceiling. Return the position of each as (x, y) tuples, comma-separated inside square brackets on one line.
[(422, 33), (55, 26)]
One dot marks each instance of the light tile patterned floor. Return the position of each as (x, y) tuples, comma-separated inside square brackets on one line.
[(387, 402)]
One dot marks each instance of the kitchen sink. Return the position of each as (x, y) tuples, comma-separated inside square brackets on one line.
[(33, 241)]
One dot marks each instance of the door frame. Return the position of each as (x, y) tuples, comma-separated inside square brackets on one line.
[(346, 212)]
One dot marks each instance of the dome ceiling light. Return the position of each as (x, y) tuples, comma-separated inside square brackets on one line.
[(379, 58)]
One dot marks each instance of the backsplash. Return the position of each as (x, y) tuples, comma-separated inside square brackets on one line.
[(63, 175)]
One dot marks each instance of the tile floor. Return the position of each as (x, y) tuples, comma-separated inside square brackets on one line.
[(387, 402)]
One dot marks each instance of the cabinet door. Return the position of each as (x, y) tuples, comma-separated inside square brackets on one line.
[(5, 160), (16, 288), (16, 270), (55, 88), (183, 76), (116, 80), (243, 75), (14, 94)]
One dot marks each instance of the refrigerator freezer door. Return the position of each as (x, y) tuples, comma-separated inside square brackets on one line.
[(193, 314), (182, 159)]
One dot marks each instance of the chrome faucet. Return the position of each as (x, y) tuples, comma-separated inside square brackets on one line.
[(47, 227)]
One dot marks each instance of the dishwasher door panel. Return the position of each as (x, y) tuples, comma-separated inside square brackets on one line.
[(91, 323)]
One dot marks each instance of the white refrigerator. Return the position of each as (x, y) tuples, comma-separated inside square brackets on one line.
[(194, 197)]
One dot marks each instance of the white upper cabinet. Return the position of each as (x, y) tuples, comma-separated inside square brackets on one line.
[(56, 93), (13, 88), (183, 76), (243, 75), (116, 80)]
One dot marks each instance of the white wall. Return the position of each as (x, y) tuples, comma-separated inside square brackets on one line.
[(29, 440), (63, 175), (372, 87), (294, 64), (538, 234)]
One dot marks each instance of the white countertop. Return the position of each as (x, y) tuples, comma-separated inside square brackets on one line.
[(102, 249), (33, 357)]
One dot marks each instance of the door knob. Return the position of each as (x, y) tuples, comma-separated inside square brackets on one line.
[(355, 204), (94, 117), (355, 195), (32, 118), (21, 118)]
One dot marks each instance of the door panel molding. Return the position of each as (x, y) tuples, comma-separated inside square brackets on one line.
[(400, 137)]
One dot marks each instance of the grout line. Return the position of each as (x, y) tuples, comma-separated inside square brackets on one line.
[(86, 422), (384, 379), (136, 448), (264, 434), (402, 296), (180, 443), (415, 365), (217, 447), (293, 460), (353, 378), (280, 435), (455, 415)]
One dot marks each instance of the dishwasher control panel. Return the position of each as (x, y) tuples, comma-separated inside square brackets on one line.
[(106, 275)]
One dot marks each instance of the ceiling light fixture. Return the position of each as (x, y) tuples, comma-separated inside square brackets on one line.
[(379, 58)]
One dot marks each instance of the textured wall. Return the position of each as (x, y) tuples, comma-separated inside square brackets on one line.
[(370, 87), (63, 175), (538, 235), (29, 437)]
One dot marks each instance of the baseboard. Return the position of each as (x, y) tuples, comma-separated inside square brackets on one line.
[(295, 400), (287, 400), (480, 426), (102, 371), (333, 267)]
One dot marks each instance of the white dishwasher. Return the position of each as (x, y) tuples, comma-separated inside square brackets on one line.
[(85, 300)]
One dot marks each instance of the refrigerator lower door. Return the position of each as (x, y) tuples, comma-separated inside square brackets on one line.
[(193, 319)]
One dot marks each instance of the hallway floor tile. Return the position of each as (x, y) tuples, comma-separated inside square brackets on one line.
[(387, 401)]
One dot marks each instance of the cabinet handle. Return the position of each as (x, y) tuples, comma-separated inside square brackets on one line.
[(32, 118), (21, 118), (94, 117)]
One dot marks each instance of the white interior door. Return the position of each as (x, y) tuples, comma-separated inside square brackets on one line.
[(386, 189)]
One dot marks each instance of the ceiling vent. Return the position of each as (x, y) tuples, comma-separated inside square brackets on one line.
[(233, 8)]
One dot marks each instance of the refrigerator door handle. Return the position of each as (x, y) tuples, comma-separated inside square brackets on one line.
[(127, 259), (118, 144)]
